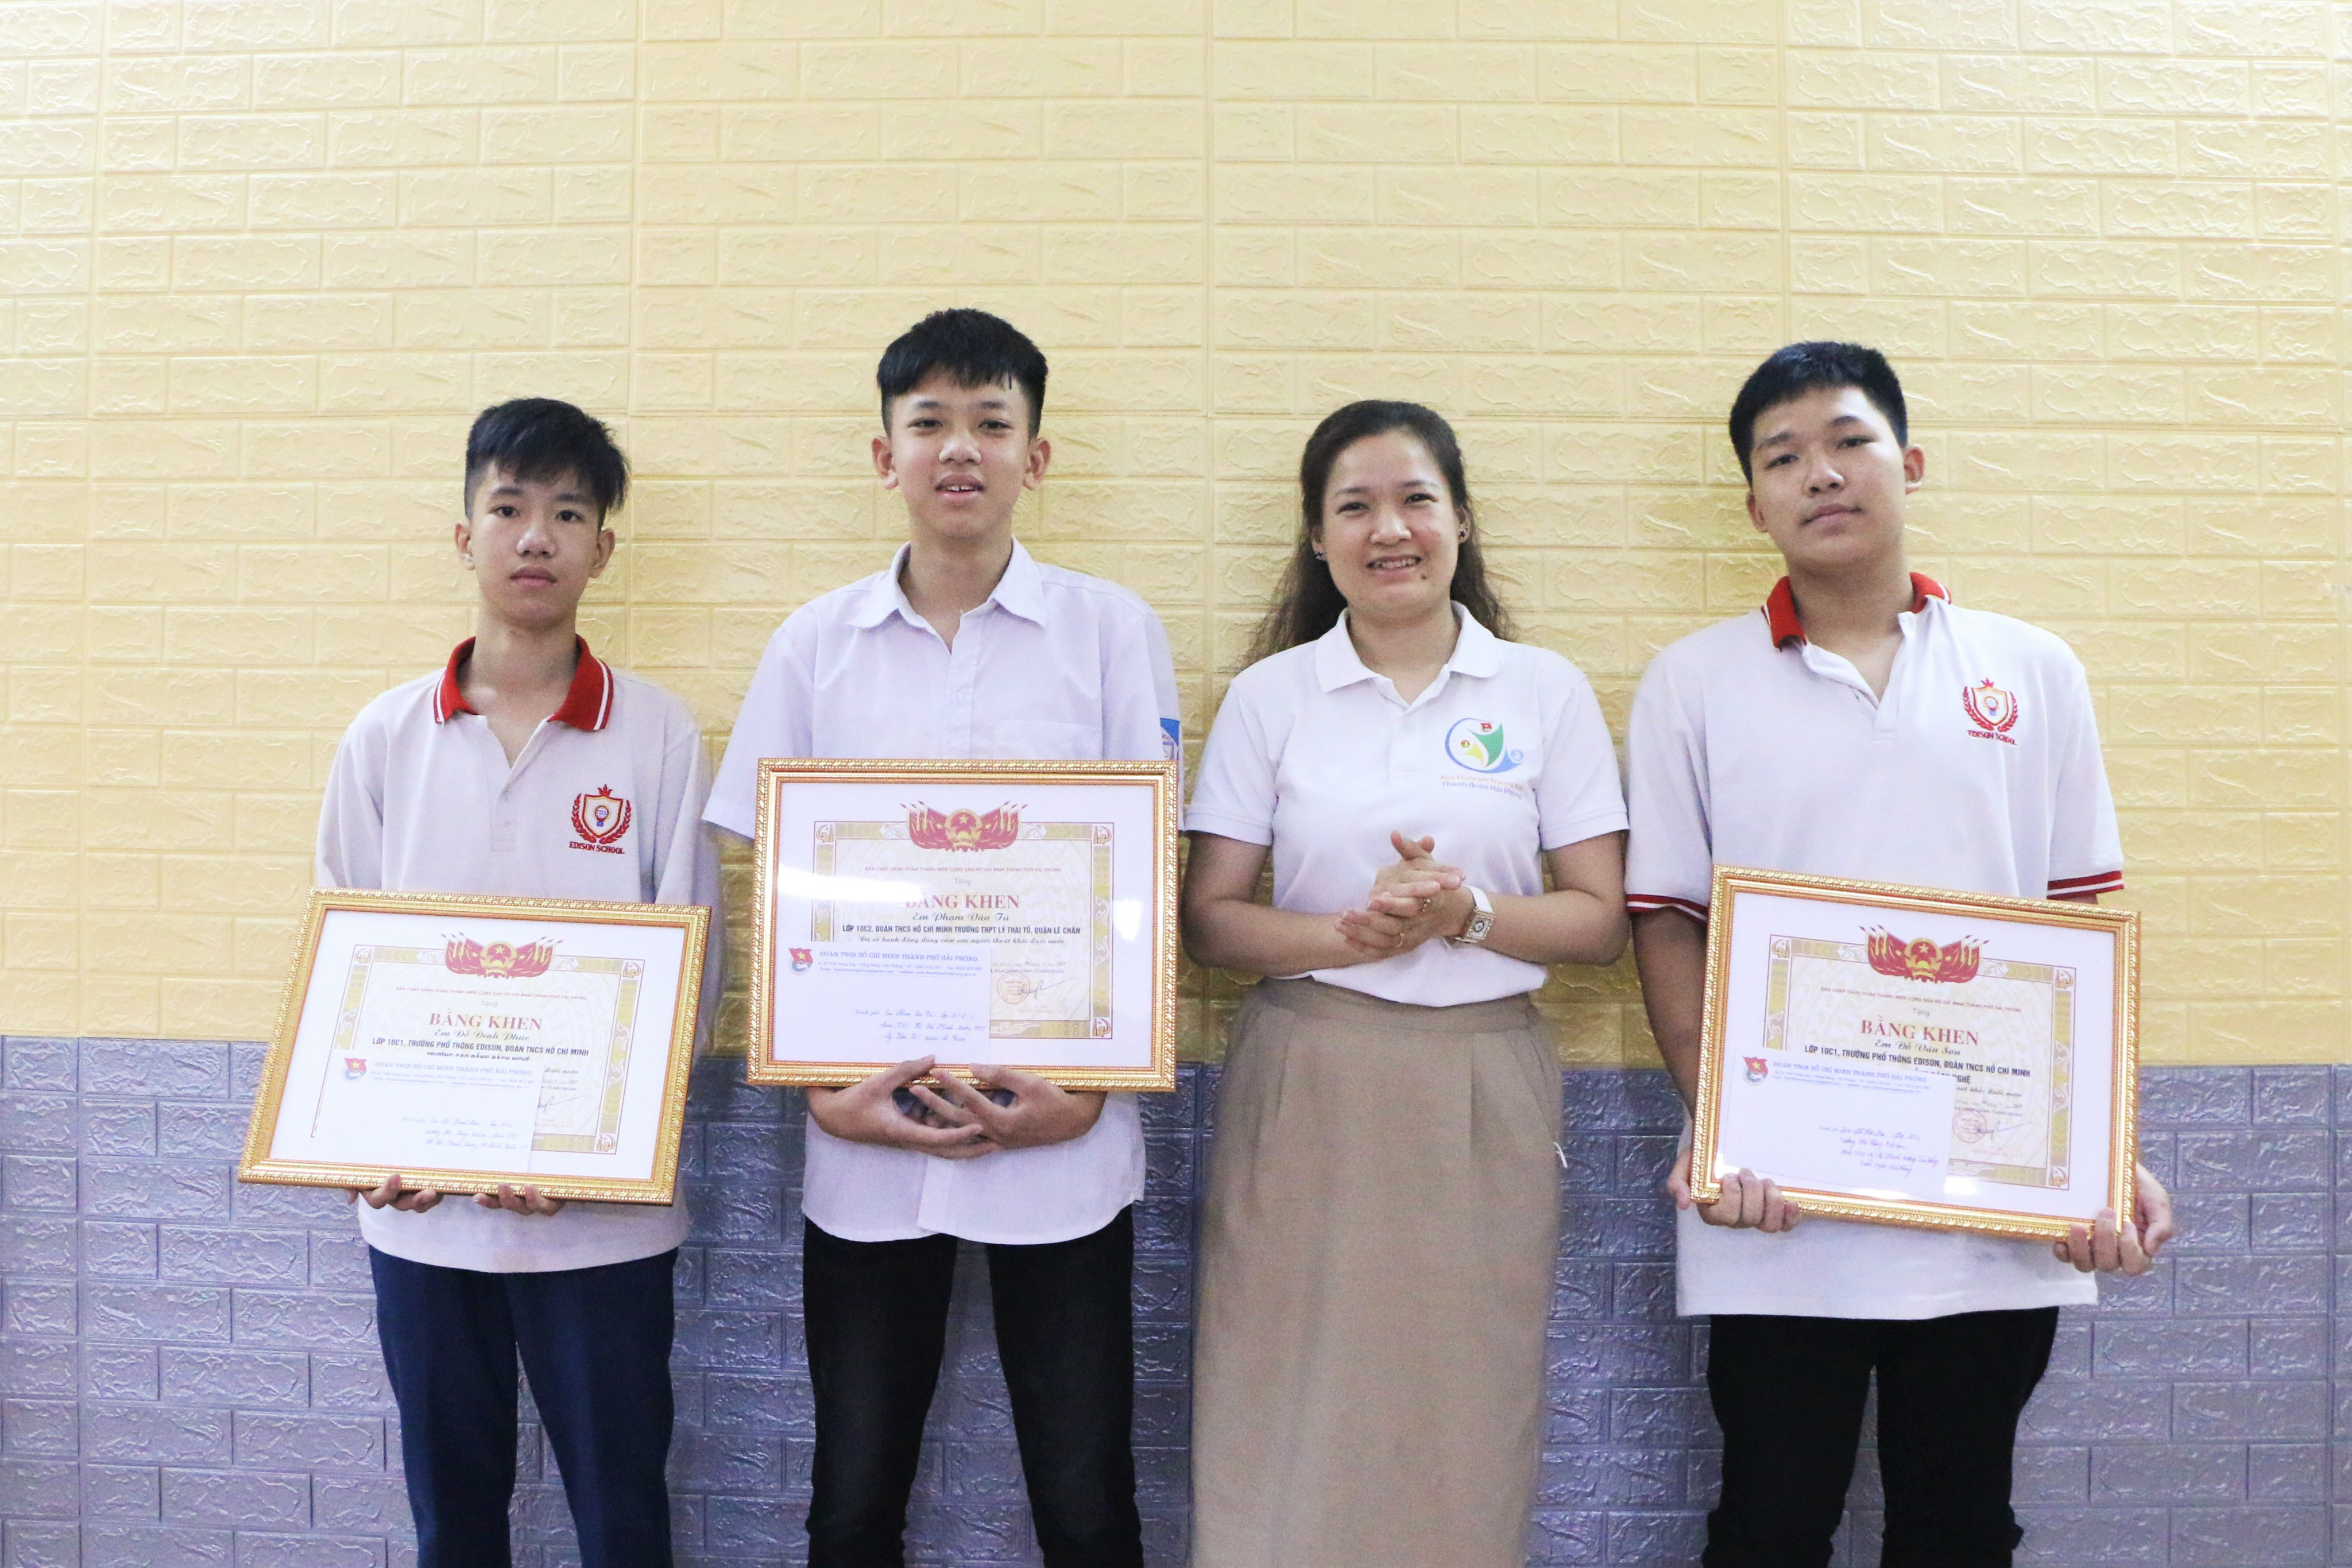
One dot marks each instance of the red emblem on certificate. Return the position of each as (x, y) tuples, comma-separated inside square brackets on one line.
[(1993, 710), (600, 819), (964, 830), (499, 960), (1955, 963), (1759, 1068)]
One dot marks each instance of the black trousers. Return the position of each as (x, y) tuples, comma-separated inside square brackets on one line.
[(1788, 1393), (595, 1344), (877, 1314)]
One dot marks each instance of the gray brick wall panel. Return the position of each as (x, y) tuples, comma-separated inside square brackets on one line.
[(188, 1371), (120, 1546)]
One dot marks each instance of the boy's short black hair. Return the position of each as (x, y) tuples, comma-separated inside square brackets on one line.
[(977, 349), (544, 438), (1800, 368)]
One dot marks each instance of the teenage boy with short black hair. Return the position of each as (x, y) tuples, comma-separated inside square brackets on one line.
[(471, 781), (1830, 732), (965, 647)]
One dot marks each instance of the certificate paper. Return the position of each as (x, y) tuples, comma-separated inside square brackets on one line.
[(466, 1042), (1014, 913), (1921, 1058)]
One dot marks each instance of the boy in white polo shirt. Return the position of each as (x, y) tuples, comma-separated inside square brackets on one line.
[(1860, 725), (965, 647), (531, 769)]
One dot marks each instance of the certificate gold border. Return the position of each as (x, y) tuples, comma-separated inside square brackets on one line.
[(778, 773), (1874, 897), (255, 1166)]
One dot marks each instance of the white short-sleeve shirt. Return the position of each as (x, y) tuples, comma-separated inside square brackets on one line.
[(420, 798), (1978, 770), (1056, 664), (1502, 756)]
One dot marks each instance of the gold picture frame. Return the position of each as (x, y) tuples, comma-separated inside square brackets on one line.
[(1863, 1007), (1099, 1012), (485, 1062)]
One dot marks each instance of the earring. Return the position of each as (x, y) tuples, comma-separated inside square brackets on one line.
[(1462, 536), (1321, 557)]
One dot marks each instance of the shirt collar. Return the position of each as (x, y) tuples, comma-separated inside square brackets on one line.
[(1476, 651), (1020, 592), (587, 705), (1781, 607)]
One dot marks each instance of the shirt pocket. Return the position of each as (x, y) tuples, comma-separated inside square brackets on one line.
[(1040, 739)]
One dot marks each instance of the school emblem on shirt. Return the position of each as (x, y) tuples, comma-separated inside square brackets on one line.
[(930, 829), (1955, 963), (1759, 1068), (1992, 709), (498, 960), (1478, 745), (600, 819), (802, 960), (355, 1067)]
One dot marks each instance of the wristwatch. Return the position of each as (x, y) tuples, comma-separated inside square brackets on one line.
[(1482, 918)]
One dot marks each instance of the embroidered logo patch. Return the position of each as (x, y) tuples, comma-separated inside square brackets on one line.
[(600, 819), (1991, 709), (1478, 745)]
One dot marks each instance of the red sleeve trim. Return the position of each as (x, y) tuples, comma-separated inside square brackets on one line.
[(2097, 882), (1646, 903)]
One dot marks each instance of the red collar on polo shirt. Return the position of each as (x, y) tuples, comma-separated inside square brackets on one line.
[(587, 705), (1781, 607)]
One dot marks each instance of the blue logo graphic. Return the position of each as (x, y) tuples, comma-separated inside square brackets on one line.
[(1478, 744), (1172, 738)]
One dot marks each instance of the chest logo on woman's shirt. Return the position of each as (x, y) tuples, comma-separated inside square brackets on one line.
[(600, 819), (1478, 745), (1993, 710)]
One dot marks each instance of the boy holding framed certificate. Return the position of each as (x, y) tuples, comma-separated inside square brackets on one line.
[(1841, 731), (965, 647), (527, 768)]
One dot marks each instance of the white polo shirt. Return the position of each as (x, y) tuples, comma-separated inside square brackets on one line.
[(420, 798), (1978, 770), (1055, 665), (1503, 755)]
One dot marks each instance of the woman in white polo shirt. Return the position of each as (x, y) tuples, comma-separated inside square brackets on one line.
[(1383, 1202)]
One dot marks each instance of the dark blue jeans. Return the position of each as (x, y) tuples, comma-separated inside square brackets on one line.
[(595, 1344), (876, 1314)]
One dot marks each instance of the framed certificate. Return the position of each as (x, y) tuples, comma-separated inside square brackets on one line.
[(1915, 1057), (1022, 914), (465, 1042)]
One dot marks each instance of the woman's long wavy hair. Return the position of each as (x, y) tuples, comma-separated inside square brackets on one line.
[(1307, 602)]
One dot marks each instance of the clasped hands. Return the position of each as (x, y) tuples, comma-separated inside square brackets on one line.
[(961, 1119), (1411, 901), (1752, 1202)]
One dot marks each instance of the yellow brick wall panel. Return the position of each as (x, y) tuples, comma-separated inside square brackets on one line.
[(558, 21), (318, 322), (2055, 248), (274, 824), (1407, 132), (2302, 840), (339, 573)]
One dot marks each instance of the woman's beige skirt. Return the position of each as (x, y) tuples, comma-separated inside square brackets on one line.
[(1375, 1275)]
